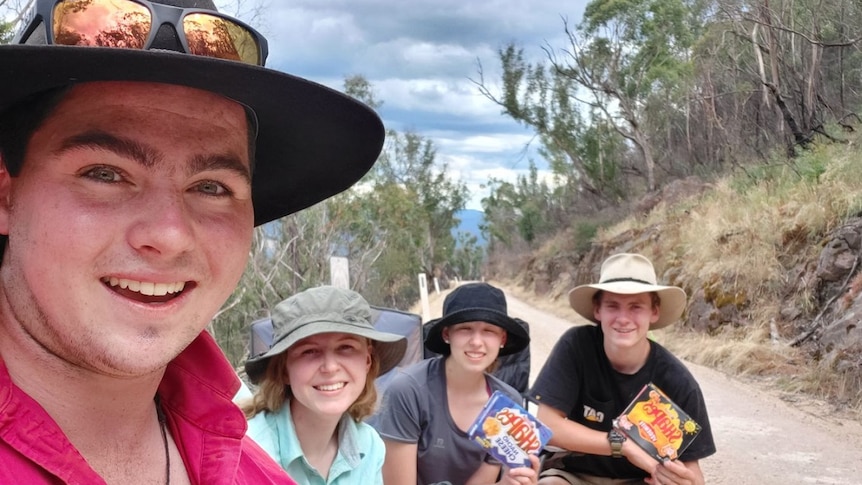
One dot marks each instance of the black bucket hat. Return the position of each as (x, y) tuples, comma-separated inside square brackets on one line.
[(312, 141), (476, 302)]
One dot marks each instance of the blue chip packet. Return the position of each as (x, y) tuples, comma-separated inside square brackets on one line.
[(508, 431)]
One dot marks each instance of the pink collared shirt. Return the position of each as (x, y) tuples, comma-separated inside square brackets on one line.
[(195, 393)]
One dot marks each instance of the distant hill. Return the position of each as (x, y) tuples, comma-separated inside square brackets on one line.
[(470, 221)]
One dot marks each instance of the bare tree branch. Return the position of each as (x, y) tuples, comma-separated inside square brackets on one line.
[(847, 43)]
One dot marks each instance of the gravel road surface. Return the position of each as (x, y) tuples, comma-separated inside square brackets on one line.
[(761, 437)]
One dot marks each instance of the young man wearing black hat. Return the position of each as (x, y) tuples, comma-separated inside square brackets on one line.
[(595, 371), (135, 160)]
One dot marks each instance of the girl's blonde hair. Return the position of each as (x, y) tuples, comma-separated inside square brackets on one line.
[(272, 392)]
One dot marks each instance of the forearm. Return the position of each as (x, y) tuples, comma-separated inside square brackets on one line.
[(573, 436), (400, 464)]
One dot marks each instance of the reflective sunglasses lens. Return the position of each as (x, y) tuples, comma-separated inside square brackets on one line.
[(102, 23), (212, 36)]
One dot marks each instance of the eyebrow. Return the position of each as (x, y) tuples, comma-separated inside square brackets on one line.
[(149, 157), (232, 163), (344, 338), (106, 141)]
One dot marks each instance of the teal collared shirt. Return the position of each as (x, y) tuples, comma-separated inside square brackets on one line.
[(360, 450)]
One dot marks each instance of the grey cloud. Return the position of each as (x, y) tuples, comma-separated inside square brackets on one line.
[(419, 55)]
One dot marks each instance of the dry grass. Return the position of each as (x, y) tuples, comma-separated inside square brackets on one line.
[(740, 241), (745, 353), (747, 234)]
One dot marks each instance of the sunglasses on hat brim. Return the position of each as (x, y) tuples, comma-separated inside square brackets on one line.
[(133, 24)]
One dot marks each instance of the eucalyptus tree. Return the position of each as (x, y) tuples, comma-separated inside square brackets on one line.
[(11, 12), (5, 32), (468, 257), (501, 214), (625, 54), (535, 95), (516, 214), (621, 55), (801, 59), (396, 222), (427, 204)]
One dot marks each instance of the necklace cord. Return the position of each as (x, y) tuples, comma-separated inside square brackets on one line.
[(162, 426)]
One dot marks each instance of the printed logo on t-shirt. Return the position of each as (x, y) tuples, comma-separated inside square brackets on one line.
[(439, 443), (442, 483), (591, 414)]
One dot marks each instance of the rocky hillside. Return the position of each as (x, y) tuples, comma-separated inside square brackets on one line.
[(770, 259)]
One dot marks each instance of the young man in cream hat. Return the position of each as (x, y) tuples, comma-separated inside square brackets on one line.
[(140, 143), (595, 371)]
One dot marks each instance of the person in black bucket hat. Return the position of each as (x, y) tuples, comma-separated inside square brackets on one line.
[(140, 144), (476, 302), (428, 407)]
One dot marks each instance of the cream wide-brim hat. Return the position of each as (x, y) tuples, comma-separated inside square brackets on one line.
[(629, 274)]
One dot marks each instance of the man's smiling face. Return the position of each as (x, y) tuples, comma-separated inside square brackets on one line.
[(626, 319), (129, 224)]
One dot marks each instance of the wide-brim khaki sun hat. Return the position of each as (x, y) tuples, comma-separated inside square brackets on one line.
[(629, 274), (325, 309)]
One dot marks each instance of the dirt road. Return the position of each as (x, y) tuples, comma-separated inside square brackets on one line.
[(761, 438)]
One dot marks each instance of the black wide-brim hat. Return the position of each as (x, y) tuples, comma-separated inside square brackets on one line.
[(476, 302), (313, 142)]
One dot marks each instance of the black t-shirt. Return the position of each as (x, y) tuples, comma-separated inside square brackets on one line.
[(579, 380)]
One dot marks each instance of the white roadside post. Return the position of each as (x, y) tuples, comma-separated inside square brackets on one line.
[(423, 296), (339, 272)]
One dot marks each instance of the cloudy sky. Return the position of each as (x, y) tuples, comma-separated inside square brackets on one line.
[(420, 55)]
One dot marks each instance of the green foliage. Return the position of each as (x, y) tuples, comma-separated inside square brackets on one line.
[(521, 209), (427, 198), (6, 32), (588, 103), (811, 167), (662, 30), (396, 222), (467, 259), (783, 173), (600, 147), (529, 222), (545, 100), (499, 209), (360, 88), (585, 231)]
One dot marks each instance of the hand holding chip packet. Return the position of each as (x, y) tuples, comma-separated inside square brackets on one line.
[(657, 424), (508, 431)]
